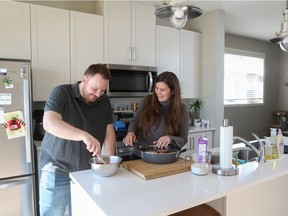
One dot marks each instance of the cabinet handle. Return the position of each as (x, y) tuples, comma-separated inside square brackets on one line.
[(130, 53), (193, 142), (28, 137), (134, 53)]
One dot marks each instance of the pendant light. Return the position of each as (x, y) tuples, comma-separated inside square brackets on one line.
[(178, 12), (282, 36)]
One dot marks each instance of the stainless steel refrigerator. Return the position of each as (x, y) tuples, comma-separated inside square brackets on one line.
[(17, 169)]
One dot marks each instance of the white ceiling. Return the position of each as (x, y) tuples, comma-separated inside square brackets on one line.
[(254, 19)]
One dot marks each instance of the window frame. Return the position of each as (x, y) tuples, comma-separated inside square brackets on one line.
[(249, 54)]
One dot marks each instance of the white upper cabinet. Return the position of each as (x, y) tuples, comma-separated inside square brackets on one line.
[(64, 44), (189, 63), (14, 30), (129, 32), (177, 51), (86, 32), (167, 49), (50, 49)]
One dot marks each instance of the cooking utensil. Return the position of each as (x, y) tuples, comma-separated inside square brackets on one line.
[(104, 162), (109, 168), (151, 155)]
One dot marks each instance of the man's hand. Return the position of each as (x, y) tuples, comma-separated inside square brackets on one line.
[(92, 145)]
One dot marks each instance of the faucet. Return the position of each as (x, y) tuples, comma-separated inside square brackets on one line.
[(260, 153)]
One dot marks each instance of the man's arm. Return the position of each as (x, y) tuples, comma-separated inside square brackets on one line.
[(110, 140), (53, 123)]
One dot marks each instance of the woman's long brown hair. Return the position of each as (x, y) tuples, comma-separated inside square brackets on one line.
[(152, 108)]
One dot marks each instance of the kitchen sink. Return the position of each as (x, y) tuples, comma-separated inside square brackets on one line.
[(244, 154)]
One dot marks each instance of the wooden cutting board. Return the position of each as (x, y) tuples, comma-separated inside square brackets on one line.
[(151, 171)]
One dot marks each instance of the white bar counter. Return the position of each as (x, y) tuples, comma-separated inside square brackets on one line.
[(127, 194)]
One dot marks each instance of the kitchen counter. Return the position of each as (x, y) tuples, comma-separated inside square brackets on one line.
[(200, 129), (127, 194)]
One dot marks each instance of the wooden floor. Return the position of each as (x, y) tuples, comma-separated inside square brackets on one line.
[(201, 210)]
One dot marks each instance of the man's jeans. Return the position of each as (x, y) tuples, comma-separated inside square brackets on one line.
[(54, 194)]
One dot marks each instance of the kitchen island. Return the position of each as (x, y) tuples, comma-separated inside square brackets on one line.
[(258, 189)]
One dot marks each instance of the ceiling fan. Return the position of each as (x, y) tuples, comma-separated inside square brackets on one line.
[(178, 11), (282, 36)]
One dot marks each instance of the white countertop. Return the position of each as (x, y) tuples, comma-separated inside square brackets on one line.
[(127, 194), (200, 129)]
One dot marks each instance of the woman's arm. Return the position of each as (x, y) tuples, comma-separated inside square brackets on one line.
[(182, 139)]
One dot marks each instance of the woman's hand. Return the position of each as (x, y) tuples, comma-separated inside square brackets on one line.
[(129, 139), (162, 142)]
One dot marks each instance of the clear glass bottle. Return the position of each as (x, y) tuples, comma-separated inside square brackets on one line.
[(268, 148), (273, 133)]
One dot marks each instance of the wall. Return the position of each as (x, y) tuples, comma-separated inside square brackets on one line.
[(257, 119), (211, 76), (283, 81)]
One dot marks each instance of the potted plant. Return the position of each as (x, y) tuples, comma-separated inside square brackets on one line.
[(196, 107)]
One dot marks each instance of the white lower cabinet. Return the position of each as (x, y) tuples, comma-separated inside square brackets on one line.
[(79, 198), (268, 198)]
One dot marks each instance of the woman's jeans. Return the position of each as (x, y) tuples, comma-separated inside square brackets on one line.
[(54, 194)]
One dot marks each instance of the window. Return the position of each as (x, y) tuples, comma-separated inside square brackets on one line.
[(243, 77)]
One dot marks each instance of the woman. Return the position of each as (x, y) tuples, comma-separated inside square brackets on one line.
[(161, 119)]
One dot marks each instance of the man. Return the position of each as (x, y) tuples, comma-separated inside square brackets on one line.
[(78, 120)]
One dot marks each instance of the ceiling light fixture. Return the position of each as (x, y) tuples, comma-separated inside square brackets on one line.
[(178, 11), (282, 36)]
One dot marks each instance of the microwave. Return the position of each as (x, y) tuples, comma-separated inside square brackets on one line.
[(131, 81)]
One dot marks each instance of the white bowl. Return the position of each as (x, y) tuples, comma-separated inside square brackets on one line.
[(200, 168)]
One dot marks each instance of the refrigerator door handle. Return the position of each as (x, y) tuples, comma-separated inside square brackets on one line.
[(12, 183), (28, 140)]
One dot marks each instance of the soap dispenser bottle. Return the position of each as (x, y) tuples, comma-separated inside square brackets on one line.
[(280, 143), (273, 133), (202, 146), (268, 148)]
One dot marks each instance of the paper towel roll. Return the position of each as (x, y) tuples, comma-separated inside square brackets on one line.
[(226, 140)]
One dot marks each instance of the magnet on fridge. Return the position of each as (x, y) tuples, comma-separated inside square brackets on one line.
[(2, 120), (14, 124), (8, 83), (3, 71)]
